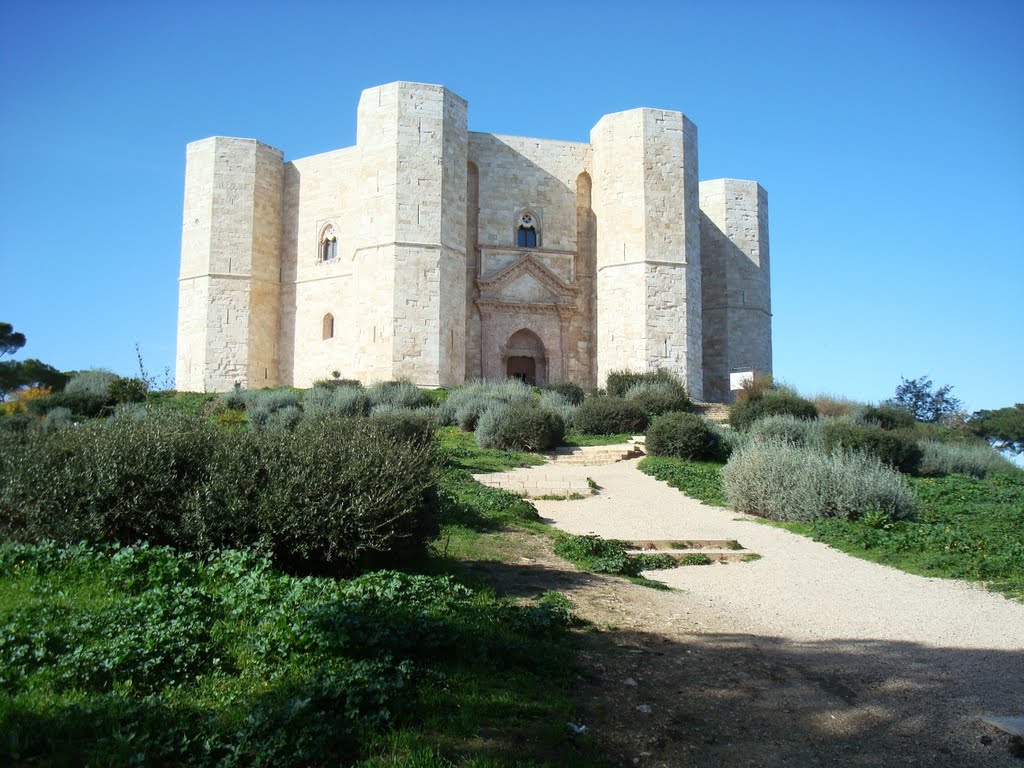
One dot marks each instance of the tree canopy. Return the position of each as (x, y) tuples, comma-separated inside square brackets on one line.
[(924, 401), (1003, 428), (10, 340)]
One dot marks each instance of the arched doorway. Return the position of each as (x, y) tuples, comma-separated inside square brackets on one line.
[(524, 358)]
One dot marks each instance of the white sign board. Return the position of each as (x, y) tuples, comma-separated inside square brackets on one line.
[(740, 379)]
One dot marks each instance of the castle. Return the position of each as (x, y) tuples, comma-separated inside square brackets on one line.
[(432, 253)]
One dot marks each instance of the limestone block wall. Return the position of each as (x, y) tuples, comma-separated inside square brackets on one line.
[(645, 208), (230, 265), (516, 174), (736, 284), (430, 235)]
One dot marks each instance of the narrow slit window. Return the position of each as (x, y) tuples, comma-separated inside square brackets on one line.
[(328, 328)]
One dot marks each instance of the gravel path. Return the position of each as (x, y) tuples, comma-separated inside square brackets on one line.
[(909, 662)]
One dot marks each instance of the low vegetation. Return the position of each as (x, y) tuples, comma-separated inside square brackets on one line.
[(699, 480), (142, 655), (684, 436)]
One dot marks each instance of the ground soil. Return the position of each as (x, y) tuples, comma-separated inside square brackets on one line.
[(667, 679)]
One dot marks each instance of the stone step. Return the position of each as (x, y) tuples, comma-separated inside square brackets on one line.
[(654, 545), (716, 550)]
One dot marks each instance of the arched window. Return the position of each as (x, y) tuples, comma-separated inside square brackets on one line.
[(526, 231), (328, 244), (328, 326)]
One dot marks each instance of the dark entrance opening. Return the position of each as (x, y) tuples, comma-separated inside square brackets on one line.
[(522, 368)]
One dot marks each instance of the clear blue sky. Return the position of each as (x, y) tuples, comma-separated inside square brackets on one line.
[(889, 135)]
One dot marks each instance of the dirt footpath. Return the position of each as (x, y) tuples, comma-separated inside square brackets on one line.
[(807, 657)]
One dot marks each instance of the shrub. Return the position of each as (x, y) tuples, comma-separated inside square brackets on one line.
[(799, 483), (83, 404), (407, 424), (401, 394), (605, 415), (787, 429), (553, 401), (572, 392), (771, 402), (620, 382), (893, 448), (754, 387), (683, 436), (833, 405), (125, 390), (342, 401), (963, 459), (234, 399), (335, 493), (18, 402), (94, 382), (888, 417), (464, 405), (263, 404), (16, 422), (338, 383), (658, 397), (520, 426), (58, 417)]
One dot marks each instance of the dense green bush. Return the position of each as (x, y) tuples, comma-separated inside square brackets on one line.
[(83, 404), (572, 392), (781, 481), (658, 397), (683, 436), (128, 390), (605, 415), (770, 402), (335, 493), (411, 425), (520, 427), (962, 459), (338, 383), (896, 449), (16, 422), (620, 382), (887, 417), (787, 428)]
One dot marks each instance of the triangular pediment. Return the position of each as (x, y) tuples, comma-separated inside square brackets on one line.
[(527, 280)]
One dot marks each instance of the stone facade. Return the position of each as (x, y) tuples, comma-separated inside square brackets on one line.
[(436, 254)]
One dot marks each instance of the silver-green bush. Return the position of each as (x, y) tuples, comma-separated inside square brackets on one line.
[(781, 481), (57, 418), (960, 458), (92, 382), (556, 402), (342, 401), (788, 429), (465, 405), (402, 394)]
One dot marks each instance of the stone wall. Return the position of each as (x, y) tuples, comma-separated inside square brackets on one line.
[(736, 286), (646, 211), (230, 265)]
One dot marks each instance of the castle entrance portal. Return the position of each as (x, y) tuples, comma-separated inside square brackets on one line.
[(524, 358)]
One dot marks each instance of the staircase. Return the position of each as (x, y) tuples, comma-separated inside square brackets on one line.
[(597, 454)]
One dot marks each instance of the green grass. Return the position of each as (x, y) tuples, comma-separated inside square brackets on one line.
[(576, 439), (459, 449), (139, 655), (970, 529), (193, 403), (699, 480)]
